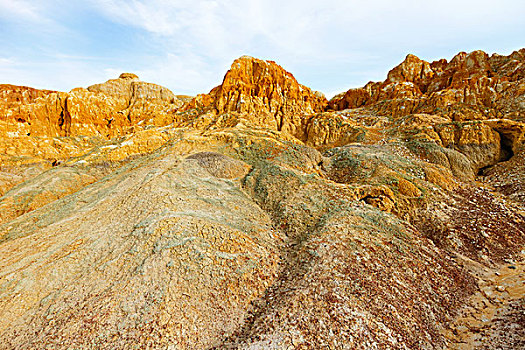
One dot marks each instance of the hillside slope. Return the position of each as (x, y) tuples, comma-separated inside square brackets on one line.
[(262, 216)]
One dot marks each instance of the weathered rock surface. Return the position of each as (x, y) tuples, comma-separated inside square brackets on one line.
[(129, 89), (47, 187), (255, 218), (264, 93), (107, 110), (164, 219), (466, 114), (471, 86), (136, 98)]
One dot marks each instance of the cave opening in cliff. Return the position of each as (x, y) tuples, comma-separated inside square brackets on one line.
[(506, 151)]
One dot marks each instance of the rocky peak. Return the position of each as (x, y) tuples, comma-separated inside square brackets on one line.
[(473, 62), (471, 86), (466, 66), (108, 109), (518, 55), (512, 66), (412, 69), (254, 86), (128, 76), (128, 88)]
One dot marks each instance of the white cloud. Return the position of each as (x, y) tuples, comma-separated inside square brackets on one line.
[(29, 13), (187, 45), (305, 25), (19, 9), (4, 62), (186, 74)]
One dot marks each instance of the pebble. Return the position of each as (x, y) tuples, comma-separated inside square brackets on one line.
[(512, 267), (500, 288)]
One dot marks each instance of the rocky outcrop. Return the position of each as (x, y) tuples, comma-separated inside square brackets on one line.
[(175, 249), (412, 69), (227, 259), (130, 89), (264, 93), (474, 107), (107, 110), (470, 86), (45, 188), (45, 126)]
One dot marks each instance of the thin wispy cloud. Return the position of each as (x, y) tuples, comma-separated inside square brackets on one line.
[(188, 45), (4, 61), (19, 10), (28, 13)]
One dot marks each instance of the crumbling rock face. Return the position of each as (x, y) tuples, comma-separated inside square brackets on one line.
[(308, 306), (162, 223), (263, 90), (467, 148), (129, 89), (412, 69), (470, 86), (107, 110), (48, 187), (220, 165), (12, 94)]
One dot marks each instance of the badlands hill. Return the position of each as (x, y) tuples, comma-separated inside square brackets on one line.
[(263, 216)]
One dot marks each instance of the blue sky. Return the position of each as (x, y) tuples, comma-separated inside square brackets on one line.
[(187, 46)]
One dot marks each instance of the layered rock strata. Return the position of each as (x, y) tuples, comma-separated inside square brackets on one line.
[(107, 110)]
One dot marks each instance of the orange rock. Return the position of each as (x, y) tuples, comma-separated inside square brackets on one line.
[(470, 86), (264, 90), (107, 110), (412, 69), (128, 89)]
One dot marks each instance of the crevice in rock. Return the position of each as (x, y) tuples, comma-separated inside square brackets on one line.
[(505, 154), (482, 171), (369, 199), (506, 151), (64, 121)]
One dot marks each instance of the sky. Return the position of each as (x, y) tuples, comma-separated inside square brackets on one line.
[(188, 45)]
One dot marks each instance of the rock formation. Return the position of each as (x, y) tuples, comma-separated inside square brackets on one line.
[(261, 216), (265, 92), (470, 95), (107, 110), (136, 98), (470, 86)]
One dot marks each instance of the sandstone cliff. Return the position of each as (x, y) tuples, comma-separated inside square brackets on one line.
[(470, 86), (466, 114), (110, 109), (264, 92)]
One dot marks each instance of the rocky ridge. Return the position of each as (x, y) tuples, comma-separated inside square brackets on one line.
[(113, 108), (471, 86), (261, 215)]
